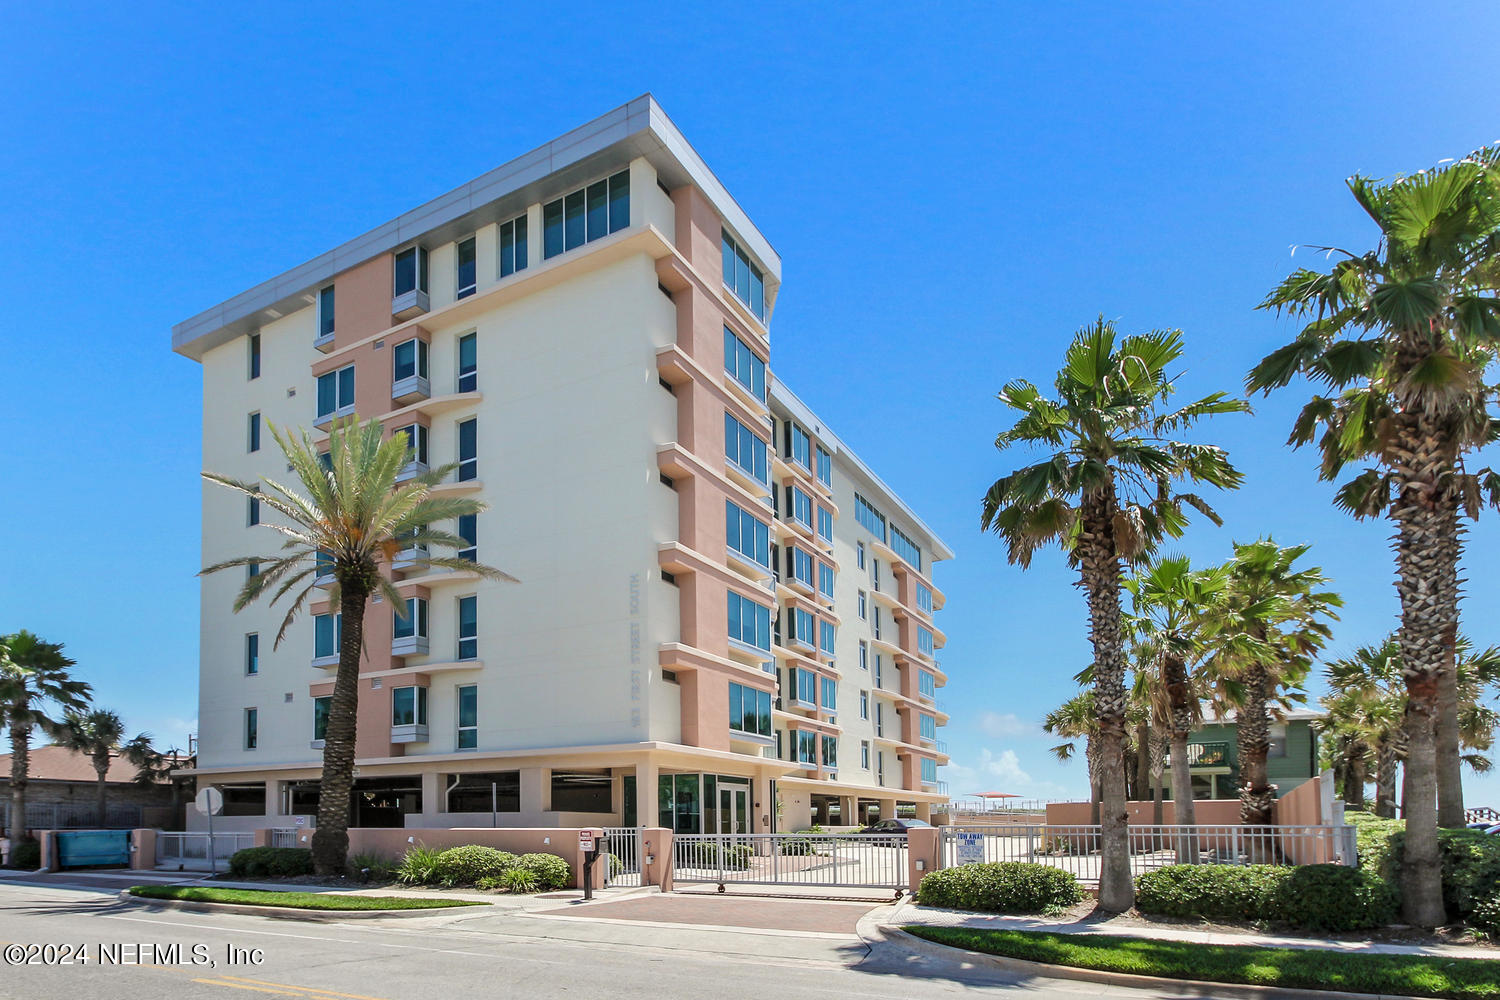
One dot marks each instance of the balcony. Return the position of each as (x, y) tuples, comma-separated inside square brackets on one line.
[(415, 733), (1206, 755)]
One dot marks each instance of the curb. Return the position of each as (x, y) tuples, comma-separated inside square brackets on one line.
[(1172, 987), (291, 912)]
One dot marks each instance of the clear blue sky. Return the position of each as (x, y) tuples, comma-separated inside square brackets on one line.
[(954, 190)]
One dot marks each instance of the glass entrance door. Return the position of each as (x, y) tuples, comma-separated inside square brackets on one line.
[(733, 810)]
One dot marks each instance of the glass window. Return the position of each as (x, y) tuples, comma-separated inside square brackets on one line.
[(325, 312), (409, 358), (320, 716), (252, 728), (868, 516), (336, 391), (468, 627), (468, 268), (926, 684), (928, 727), (825, 466), (1276, 735), (468, 450), (744, 278), (807, 747), (924, 598), (410, 271), (749, 710), (864, 704), (800, 564), (830, 695), (749, 622), (825, 579), (863, 605), (468, 717), (800, 506), (906, 548), (483, 791), (409, 706), (252, 653), (744, 449), (864, 655), (254, 432), (582, 791), (825, 524), (468, 362), (410, 619), (924, 640), (328, 632), (864, 754), (586, 215), (826, 635), (859, 554), (830, 751), (416, 442), (255, 355), (802, 626), (799, 447), (929, 769), (468, 530), (513, 246), (252, 511), (743, 365), (747, 534)]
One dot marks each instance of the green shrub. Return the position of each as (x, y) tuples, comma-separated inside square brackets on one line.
[(616, 866), (797, 846), (1001, 887), (520, 879), (549, 870), (1470, 858), (1333, 898), (1223, 892), (25, 854), (271, 862), (381, 867), (1486, 915), (418, 866), (468, 864), (705, 854)]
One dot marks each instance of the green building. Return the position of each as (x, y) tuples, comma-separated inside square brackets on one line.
[(1213, 754)]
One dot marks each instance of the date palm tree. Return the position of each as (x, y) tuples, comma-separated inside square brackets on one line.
[(1401, 336), (34, 686), (1106, 494), (1275, 618), (1174, 609), (350, 518)]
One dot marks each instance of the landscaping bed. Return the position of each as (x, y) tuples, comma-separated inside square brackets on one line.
[(294, 900), (1296, 968)]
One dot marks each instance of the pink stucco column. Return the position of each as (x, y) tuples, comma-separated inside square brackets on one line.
[(656, 857), (921, 854)]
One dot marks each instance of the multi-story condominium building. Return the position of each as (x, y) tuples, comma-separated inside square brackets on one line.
[(724, 621)]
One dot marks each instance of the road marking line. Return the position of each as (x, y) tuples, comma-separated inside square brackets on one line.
[(309, 989), (257, 989)]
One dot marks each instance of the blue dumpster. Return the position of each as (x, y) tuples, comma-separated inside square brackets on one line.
[(92, 848)]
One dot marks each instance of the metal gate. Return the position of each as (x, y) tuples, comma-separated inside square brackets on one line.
[(869, 861), (92, 848), (623, 845), (199, 851)]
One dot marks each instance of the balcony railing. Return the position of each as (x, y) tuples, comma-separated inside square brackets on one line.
[(1205, 755)]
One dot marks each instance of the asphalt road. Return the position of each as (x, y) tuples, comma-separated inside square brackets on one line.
[(151, 954)]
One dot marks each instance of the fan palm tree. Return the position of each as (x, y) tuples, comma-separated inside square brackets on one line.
[(34, 684), (97, 734), (1401, 336), (1275, 618), (350, 518), (1075, 719), (1173, 610), (1106, 495)]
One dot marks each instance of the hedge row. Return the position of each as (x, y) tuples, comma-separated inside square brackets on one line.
[(485, 867), (1000, 887), (1314, 897), (272, 862)]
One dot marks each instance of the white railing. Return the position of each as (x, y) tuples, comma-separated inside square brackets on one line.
[(288, 837), (623, 844), (194, 852), (806, 859), (1076, 848)]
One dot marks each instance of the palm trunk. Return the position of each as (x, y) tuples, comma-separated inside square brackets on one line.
[(1422, 574), (1257, 795), (1091, 757), (330, 841), (1387, 761), (1450, 781), (1142, 761), (1182, 797), (1099, 568), (1354, 777), (101, 789), (20, 767)]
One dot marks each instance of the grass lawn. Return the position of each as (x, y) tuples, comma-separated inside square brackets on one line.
[(1408, 975), (295, 900)]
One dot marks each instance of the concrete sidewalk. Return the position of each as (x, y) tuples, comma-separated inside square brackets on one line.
[(909, 913)]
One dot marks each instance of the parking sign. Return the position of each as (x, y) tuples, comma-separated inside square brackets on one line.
[(970, 848)]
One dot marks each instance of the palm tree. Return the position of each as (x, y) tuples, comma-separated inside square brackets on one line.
[(1275, 618), (351, 518), (1106, 496), (1402, 335), (97, 734), (1072, 720), (34, 683), (1174, 610)]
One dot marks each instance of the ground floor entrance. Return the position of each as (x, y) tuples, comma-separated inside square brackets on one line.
[(705, 803)]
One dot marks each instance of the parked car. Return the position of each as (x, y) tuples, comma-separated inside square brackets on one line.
[(896, 826), (1493, 829)]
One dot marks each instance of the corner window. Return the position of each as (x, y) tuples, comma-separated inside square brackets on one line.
[(825, 466), (328, 634), (749, 622), (744, 366), (410, 271), (409, 359), (906, 548), (321, 708), (924, 640), (336, 392), (410, 619), (416, 443), (866, 514), (409, 706), (468, 717), (807, 747), (586, 215), (825, 579), (252, 728), (926, 684), (749, 710), (826, 634), (253, 433), (928, 726), (825, 524), (468, 362), (929, 770), (802, 627), (468, 628), (744, 449), (513, 246), (830, 751), (746, 534), (252, 653), (325, 312), (924, 598), (830, 695), (468, 269), (743, 277)]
